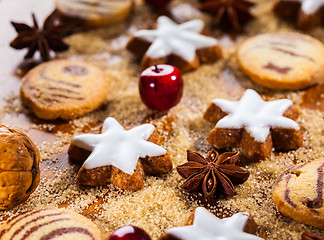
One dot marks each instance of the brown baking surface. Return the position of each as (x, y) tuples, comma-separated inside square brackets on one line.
[(161, 204)]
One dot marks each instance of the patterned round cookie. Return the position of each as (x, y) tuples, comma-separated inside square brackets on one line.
[(282, 60), (94, 12), (50, 223), (298, 193), (63, 89)]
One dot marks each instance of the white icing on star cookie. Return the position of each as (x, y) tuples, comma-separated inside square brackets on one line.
[(117, 147), (255, 114), (180, 39), (207, 226), (310, 6)]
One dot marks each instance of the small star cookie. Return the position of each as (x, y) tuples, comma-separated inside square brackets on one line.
[(180, 45), (119, 156), (254, 125), (206, 226), (307, 13)]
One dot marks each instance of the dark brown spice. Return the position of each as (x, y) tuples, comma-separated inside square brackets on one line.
[(311, 236), (212, 175), (45, 39)]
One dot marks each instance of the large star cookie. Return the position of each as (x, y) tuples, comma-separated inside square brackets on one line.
[(180, 45), (119, 156), (254, 125), (206, 226), (307, 13)]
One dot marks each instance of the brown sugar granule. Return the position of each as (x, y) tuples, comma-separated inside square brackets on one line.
[(161, 204)]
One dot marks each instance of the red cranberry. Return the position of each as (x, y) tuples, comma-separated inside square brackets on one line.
[(161, 87), (129, 233), (158, 3)]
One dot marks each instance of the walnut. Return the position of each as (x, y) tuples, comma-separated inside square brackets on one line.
[(19, 167)]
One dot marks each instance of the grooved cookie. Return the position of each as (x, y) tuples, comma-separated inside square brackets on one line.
[(50, 223), (94, 12), (298, 193), (63, 89), (283, 60)]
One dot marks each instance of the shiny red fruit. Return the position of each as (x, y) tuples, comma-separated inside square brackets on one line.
[(129, 233), (158, 3), (161, 87)]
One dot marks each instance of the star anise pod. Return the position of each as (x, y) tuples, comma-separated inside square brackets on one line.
[(228, 13), (212, 175), (311, 236), (49, 37)]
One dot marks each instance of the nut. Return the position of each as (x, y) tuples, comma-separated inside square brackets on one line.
[(19, 167)]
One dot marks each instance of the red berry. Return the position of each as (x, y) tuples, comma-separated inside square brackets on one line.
[(161, 87), (129, 233), (158, 3)]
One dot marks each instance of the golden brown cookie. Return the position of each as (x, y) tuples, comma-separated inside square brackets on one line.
[(50, 223), (180, 45), (299, 191), (63, 89), (94, 13), (254, 125), (19, 167), (119, 156), (284, 60)]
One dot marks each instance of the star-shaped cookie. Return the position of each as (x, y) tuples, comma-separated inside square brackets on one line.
[(206, 226), (307, 13), (254, 125), (180, 45), (119, 155)]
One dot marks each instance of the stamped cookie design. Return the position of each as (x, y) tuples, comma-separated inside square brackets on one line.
[(283, 60), (50, 223), (94, 13), (180, 45), (299, 191), (254, 125), (115, 155), (63, 89), (306, 13), (207, 226)]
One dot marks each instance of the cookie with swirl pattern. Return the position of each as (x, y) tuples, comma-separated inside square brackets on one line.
[(298, 193), (50, 223), (63, 89)]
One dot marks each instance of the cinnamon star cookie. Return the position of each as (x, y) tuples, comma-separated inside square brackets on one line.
[(63, 89), (206, 226), (283, 60), (254, 125), (299, 192), (119, 156), (180, 45), (49, 223)]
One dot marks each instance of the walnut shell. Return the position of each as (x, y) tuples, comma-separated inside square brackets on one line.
[(19, 167)]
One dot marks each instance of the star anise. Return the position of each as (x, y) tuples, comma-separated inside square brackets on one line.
[(49, 37), (311, 236), (228, 13), (212, 175)]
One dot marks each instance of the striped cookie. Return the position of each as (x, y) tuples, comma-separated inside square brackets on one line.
[(63, 89), (299, 191), (94, 12), (282, 60), (49, 223)]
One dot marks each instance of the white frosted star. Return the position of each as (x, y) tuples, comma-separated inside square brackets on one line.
[(117, 147), (207, 226), (256, 115), (311, 6), (180, 39)]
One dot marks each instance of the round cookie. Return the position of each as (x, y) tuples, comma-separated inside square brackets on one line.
[(19, 167), (63, 89), (298, 193), (94, 13), (284, 60), (50, 223)]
